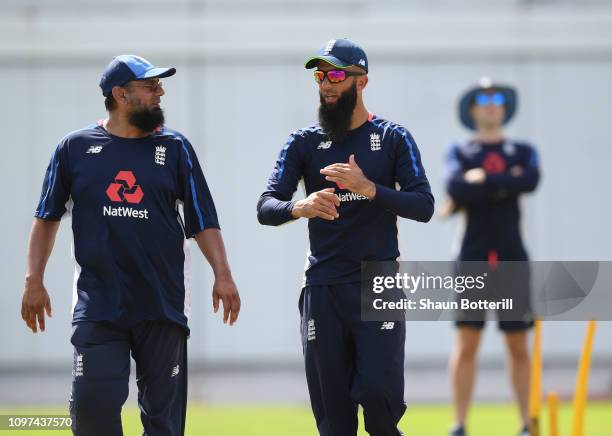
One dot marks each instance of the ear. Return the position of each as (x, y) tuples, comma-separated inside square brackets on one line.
[(119, 95), (362, 82)]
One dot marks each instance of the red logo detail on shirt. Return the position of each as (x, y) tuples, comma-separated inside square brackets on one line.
[(125, 189), (494, 163)]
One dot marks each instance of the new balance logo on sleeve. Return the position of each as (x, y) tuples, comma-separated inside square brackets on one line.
[(387, 326), (94, 149)]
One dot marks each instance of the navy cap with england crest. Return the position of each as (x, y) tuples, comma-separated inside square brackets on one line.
[(341, 53)]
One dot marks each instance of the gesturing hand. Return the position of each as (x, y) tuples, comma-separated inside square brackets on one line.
[(349, 176), (320, 204)]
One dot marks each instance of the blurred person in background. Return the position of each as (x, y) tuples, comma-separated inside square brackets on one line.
[(135, 191), (486, 177), (350, 163)]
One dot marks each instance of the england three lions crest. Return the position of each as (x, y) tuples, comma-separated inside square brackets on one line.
[(374, 142), (160, 155)]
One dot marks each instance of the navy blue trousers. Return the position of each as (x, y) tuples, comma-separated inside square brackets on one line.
[(350, 362), (101, 368)]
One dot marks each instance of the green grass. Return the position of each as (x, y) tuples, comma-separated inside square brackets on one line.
[(485, 420)]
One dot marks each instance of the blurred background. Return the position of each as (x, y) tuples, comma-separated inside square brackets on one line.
[(240, 90)]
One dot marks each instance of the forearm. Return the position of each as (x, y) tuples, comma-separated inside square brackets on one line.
[(464, 193), (415, 205), (525, 182), (211, 245), (40, 245), (274, 212)]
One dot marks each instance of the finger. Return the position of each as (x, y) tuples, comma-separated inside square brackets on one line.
[(331, 197), (324, 215), (41, 319), (352, 161), (215, 302), (332, 202), (328, 190), (326, 200), (339, 180), (336, 173), (338, 165), (328, 208), (330, 171), (48, 307), (25, 314), (235, 309), (26, 317), (226, 309), (32, 320)]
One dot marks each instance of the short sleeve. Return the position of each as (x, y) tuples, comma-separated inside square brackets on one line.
[(56, 186), (198, 206)]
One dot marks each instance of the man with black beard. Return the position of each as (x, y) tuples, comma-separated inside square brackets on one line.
[(350, 162), (136, 194), (335, 117)]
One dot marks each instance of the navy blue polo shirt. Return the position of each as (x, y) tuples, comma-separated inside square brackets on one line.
[(133, 204), (366, 230)]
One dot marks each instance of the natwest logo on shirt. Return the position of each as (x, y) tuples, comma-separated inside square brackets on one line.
[(125, 190), (350, 196)]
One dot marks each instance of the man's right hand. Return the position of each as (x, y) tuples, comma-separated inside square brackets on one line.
[(320, 204), (35, 303)]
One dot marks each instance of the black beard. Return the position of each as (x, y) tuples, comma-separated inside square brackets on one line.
[(147, 120), (335, 118)]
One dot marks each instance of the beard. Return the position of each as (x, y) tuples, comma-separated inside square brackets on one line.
[(145, 119), (335, 118)]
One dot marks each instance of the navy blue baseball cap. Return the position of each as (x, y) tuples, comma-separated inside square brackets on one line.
[(486, 85), (124, 68), (341, 53)]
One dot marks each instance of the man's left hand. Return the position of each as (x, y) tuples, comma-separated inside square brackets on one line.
[(349, 176), (225, 290)]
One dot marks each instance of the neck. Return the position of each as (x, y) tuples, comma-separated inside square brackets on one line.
[(118, 125), (360, 115), (489, 135)]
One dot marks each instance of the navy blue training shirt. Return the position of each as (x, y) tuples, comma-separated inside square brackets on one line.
[(133, 202), (366, 230), (493, 215)]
